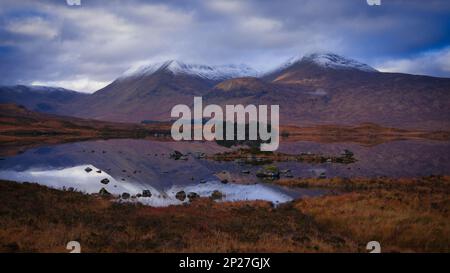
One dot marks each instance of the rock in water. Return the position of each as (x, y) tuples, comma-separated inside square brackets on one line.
[(181, 195), (146, 193), (104, 181), (192, 196), (176, 155)]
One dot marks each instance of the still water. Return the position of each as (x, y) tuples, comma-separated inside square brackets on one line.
[(132, 166)]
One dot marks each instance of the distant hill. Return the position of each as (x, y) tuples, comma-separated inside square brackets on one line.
[(40, 98)]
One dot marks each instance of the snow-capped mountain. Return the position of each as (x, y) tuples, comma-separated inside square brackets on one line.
[(334, 61), (316, 88), (324, 60), (217, 73)]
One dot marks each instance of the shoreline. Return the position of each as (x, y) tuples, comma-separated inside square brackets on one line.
[(405, 215)]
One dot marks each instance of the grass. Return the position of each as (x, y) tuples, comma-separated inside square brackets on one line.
[(38, 219), (404, 215)]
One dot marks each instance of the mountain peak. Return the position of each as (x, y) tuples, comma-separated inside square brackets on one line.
[(217, 72), (334, 61), (325, 60)]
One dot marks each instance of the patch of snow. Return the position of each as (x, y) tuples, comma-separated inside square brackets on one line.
[(326, 60), (334, 61), (218, 72), (37, 89)]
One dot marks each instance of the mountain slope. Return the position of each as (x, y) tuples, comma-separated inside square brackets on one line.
[(149, 92), (40, 98), (311, 91), (330, 89)]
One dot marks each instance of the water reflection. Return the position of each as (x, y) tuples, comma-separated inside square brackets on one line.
[(135, 165)]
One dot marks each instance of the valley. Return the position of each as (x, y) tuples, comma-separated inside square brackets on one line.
[(363, 155)]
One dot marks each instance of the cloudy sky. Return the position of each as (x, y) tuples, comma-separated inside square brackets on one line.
[(86, 47)]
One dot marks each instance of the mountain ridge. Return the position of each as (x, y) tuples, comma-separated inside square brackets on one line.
[(315, 89), (211, 72), (40, 98)]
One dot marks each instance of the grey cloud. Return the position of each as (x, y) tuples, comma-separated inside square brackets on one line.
[(49, 42)]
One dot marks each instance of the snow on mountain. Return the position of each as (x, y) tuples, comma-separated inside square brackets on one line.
[(326, 60), (334, 61), (219, 72)]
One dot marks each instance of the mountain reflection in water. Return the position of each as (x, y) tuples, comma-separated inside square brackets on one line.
[(135, 165)]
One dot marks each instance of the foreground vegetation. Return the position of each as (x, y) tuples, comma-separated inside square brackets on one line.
[(39, 219), (407, 215), (402, 214)]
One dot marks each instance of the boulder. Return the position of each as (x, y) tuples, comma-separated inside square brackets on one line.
[(192, 196), (181, 195), (88, 169), (146, 193), (104, 181), (125, 195), (175, 155), (216, 195)]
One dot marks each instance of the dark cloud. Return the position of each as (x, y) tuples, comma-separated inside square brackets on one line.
[(86, 47)]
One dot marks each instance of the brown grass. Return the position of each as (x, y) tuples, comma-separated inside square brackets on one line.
[(38, 219), (407, 215), (368, 134), (404, 215)]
